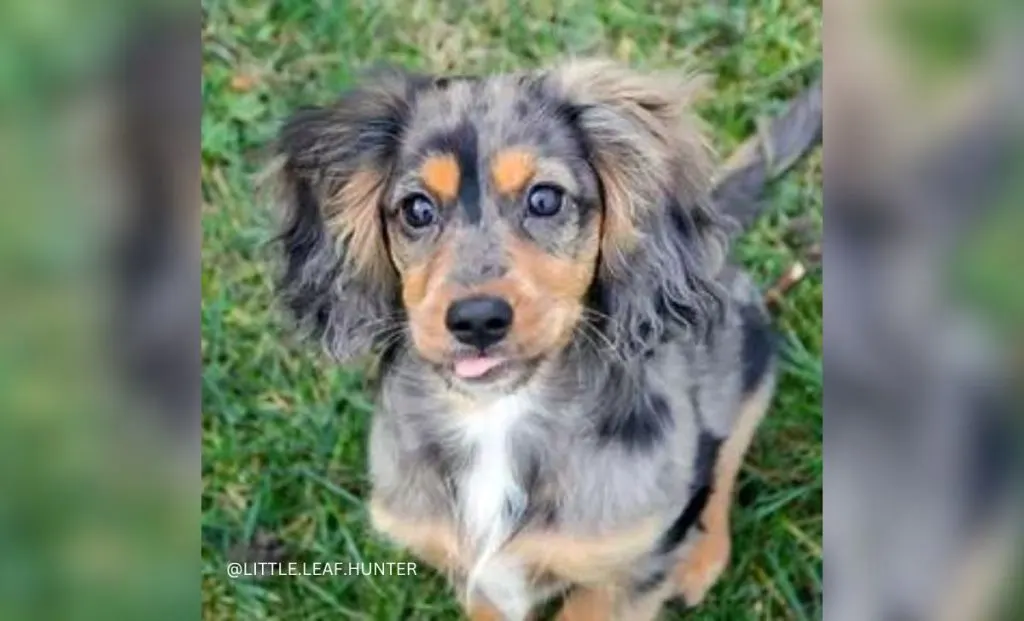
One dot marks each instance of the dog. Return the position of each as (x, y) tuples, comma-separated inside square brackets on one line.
[(570, 373)]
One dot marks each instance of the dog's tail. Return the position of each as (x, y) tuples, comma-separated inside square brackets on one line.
[(767, 155)]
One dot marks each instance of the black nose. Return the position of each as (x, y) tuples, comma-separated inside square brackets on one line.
[(479, 321)]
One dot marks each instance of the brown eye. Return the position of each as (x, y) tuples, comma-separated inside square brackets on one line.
[(418, 212), (545, 200)]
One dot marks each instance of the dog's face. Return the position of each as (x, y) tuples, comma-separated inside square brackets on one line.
[(494, 219)]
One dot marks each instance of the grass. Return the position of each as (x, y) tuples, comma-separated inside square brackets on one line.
[(284, 432)]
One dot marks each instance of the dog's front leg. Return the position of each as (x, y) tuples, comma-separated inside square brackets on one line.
[(702, 566)]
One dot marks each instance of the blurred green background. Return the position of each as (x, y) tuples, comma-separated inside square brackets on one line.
[(284, 430)]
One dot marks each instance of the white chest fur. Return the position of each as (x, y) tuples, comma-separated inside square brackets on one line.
[(490, 500)]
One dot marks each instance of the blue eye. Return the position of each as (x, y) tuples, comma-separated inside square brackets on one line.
[(418, 212), (545, 200)]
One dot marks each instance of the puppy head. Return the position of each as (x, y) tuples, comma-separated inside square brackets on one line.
[(480, 216)]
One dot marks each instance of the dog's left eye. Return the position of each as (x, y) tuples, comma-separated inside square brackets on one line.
[(545, 200), (418, 211)]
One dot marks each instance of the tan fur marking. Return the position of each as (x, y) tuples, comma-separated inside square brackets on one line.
[(613, 603), (434, 542), (589, 559), (352, 217), (699, 570), (620, 234), (550, 289), (426, 296), (440, 173), (414, 285), (593, 559), (512, 169), (588, 605), (481, 611), (419, 280)]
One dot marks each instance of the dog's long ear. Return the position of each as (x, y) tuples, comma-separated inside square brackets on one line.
[(333, 165), (662, 241)]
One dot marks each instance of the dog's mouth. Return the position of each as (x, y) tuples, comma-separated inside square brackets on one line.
[(490, 369), (478, 367)]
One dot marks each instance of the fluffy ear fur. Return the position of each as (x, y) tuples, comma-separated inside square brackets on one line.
[(333, 166), (662, 243)]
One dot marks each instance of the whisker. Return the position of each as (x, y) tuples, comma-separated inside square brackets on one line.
[(601, 343)]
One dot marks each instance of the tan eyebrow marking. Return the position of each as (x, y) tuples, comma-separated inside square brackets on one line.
[(511, 169), (440, 173)]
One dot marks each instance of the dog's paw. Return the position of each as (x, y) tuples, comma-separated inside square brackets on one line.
[(701, 568)]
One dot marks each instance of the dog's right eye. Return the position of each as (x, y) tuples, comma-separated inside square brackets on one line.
[(545, 200), (418, 212)]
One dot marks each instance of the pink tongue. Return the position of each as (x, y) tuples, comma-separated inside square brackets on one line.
[(475, 367)]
